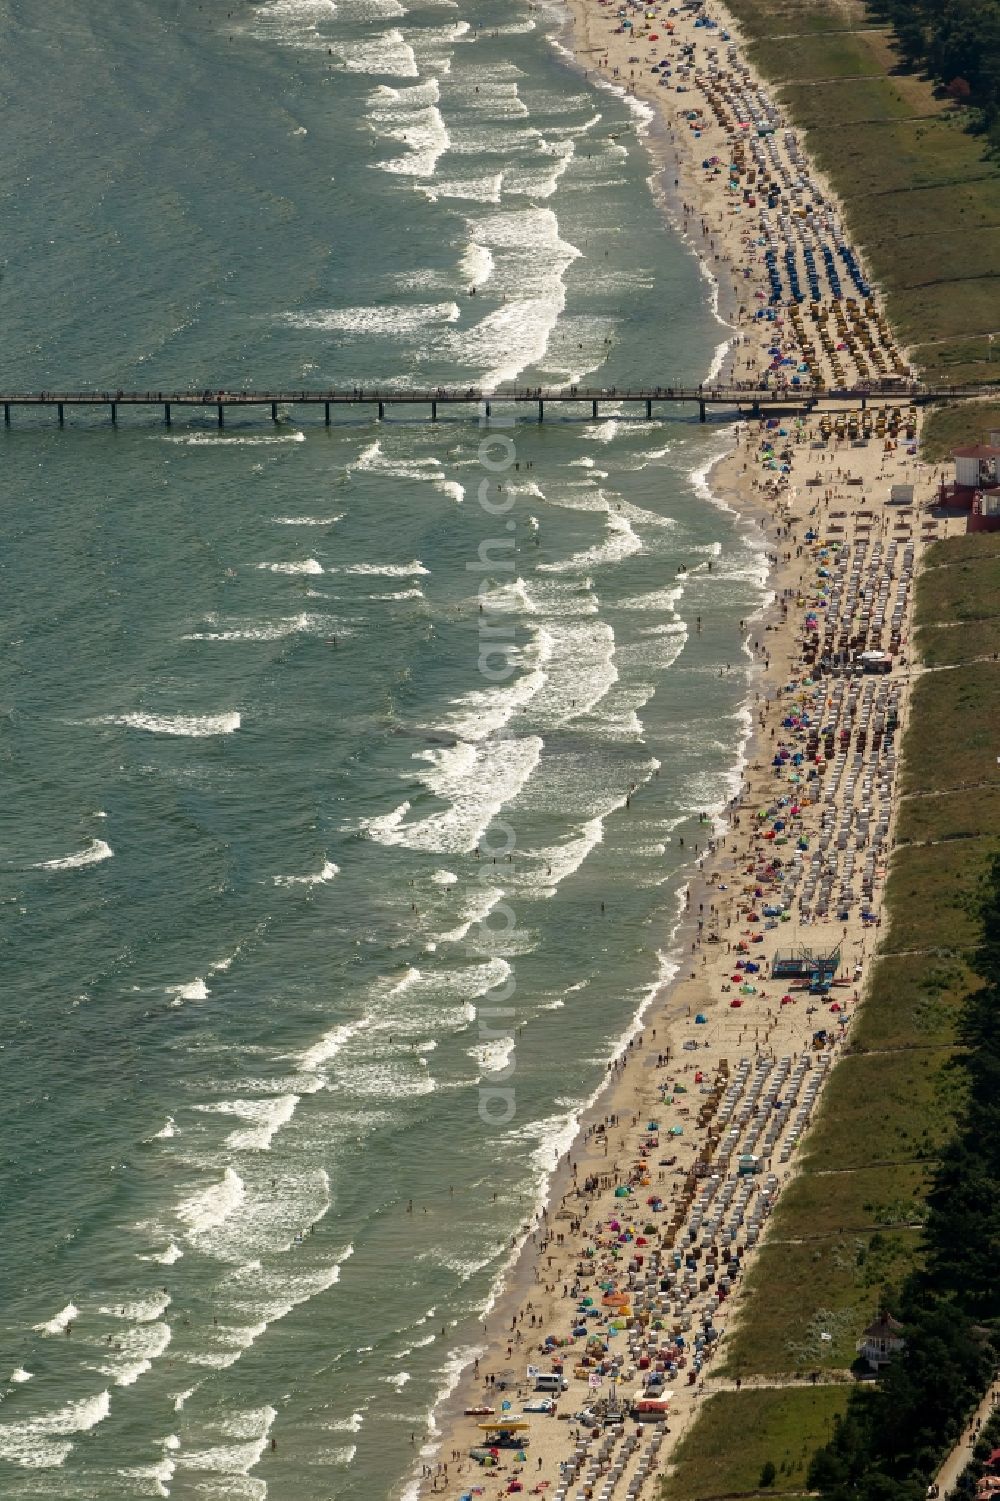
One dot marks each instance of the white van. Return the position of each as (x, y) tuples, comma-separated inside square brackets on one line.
[(550, 1382)]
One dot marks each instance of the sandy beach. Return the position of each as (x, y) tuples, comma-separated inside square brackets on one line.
[(628, 1283)]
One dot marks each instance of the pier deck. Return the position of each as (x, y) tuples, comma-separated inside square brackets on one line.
[(653, 399)]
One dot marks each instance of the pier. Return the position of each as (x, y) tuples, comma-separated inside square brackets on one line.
[(652, 401)]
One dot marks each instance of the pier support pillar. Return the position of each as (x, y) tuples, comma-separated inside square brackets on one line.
[(222, 418), (434, 411), (274, 411), (593, 408), (489, 408), (649, 408), (702, 412), (6, 413), (60, 408), (114, 412), (864, 403), (326, 412), (541, 411), (166, 414), (381, 410)]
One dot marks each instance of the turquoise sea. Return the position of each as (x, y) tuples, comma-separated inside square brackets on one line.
[(265, 693)]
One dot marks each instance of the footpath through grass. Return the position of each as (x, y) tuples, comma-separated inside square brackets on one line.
[(920, 195), (851, 1222)]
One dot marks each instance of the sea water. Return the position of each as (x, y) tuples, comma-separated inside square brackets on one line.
[(321, 745)]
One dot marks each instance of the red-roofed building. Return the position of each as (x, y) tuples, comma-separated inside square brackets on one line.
[(977, 472)]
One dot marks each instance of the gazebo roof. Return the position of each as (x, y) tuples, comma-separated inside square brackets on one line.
[(885, 1326)]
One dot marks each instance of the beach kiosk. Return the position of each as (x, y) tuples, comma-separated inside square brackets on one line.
[(506, 1433), (649, 1409)]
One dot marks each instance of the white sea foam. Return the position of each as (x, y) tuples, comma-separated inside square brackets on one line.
[(133, 1351), (431, 470), (657, 599), (376, 322), (475, 781), (484, 188), (266, 1119), (307, 520), (244, 1438), (274, 630), (415, 569), (330, 1044), (527, 245), (597, 499), (210, 1207), (57, 1325), (411, 116), (45, 1441), (579, 669), (621, 542), (540, 182), (350, 1424), (267, 1296), (342, 1455), (318, 878), (193, 990), (550, 867), (167, 1130), (258, 1219), (388, 54), (310, 565), (158, 1475), (484, 711), (479, 910), (96, 851), (20, 1375), (372, 10), (494, 1057), (444, 878), (194, 725), (213, 440), (293, 22), (139, 1310), (166, 1258), (476, 264)]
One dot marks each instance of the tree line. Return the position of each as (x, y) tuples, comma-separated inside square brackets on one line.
[(896, 1431), (958, 43)]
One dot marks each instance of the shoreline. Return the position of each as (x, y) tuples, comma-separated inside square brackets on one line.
[(731, 480)]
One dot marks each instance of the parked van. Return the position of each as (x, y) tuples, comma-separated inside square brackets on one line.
[(550, 1382)]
